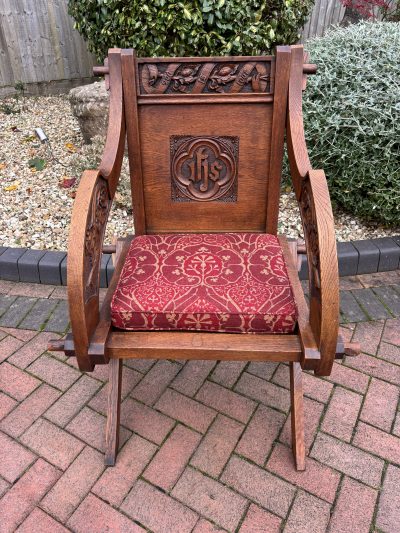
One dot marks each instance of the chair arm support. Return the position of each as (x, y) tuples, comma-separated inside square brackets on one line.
[(312, 194), (89, 218)]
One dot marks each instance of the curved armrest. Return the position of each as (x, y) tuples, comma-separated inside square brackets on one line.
[(89, 218), (312, 193)]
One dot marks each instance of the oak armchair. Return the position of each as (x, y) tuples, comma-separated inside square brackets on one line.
[(205, 276)]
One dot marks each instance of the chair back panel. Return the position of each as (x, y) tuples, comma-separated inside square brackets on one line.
[(205, 128)]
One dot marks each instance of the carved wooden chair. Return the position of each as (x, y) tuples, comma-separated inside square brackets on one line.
[(205, 276)]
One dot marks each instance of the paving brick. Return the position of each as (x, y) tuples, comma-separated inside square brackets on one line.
[(350, 308), (345, 376), (40, 522), (210, 498), (170, 461), (33, 290), (52, 443), (4, 486), (226, 401), (59, 293), (258, 485), (186, 410), (348, 459), (217, 445), (308, 510), (54, 372), (378, 442), (390, 298), (5, 286), (370, 304), (389, 352), (90, 426), (318, 479), (155, 382), (259, 521), (388, 518), (97, 517), (145, 421), (27, 265), (21, 334), (375, 367), (263, 369), (8, 346), (15, 458), (16, 382), (368, 334), (380, 404), (227, 372), (204, 526), (115, 483), (141, 365), (354, 508), (260, 434), (29, 410), (38, 314), (7, 404), (50, 268), (192, 376), (341, 415), (391, 333), (379, 279), (263, 391), (5, 301), (31, 351), (72, 401), (74, 484), (312, 415), (157, 511), (23, 497), (313, 387), (16, 312), (59, 319), (346, 283), (389, 254)]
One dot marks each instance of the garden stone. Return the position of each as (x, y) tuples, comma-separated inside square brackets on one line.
[(90, 106)]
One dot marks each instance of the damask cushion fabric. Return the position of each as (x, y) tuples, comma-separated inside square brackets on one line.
[(231, 282)]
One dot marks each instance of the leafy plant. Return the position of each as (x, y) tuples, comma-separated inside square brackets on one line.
[(197, 27), (37, 163), (351, 112), (388, 10)]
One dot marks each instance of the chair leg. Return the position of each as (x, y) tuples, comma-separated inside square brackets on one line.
[(113, 411), (297, 414)]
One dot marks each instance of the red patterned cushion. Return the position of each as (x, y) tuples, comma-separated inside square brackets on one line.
[(231, 282)]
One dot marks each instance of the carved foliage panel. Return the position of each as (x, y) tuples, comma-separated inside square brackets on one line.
[(212, 78), (96, 224), (204, 168)]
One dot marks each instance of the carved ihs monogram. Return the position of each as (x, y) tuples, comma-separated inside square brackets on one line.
[(204, 168)]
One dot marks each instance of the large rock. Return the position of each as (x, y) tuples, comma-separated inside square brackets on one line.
[(90, 106)]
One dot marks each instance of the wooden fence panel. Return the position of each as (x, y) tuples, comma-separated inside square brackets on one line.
[(324, 14)]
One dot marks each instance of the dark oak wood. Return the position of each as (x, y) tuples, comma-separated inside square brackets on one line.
[(297, 415), (205, 144), (113, 411)]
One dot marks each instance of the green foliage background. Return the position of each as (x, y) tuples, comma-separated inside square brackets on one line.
[(197, 27), (352, 117)]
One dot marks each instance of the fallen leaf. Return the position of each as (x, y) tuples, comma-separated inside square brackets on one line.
[(70, 147), (66, 182), (13, 187), (3, 166), (72, 194), (37, 163)]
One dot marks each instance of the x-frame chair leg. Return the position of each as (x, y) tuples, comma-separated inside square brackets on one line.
[(113, 411), (297, 414)]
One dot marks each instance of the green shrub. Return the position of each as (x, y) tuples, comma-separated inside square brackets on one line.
[(196, 27), (352, 119)]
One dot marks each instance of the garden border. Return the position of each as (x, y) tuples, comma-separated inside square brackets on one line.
[(50, 267)]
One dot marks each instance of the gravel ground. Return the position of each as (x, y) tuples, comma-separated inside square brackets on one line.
[(35, 204)]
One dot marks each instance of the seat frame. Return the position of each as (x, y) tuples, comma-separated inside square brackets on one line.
[(315, 343)]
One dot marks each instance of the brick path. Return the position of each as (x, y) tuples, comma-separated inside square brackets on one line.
[(205, 446)]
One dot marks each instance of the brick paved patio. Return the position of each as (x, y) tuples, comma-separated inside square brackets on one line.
[(205, 446)]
